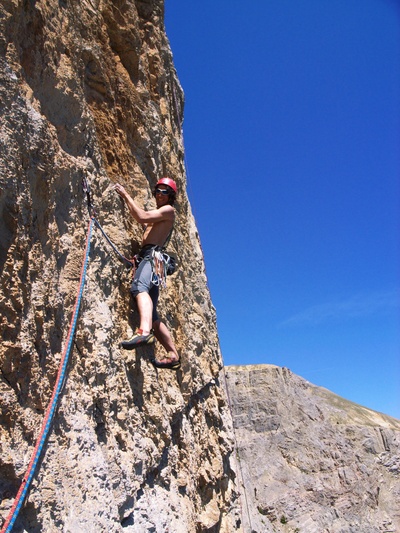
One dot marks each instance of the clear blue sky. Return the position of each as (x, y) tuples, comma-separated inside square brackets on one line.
[(292, 136)]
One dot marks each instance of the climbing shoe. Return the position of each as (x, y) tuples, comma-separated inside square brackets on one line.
[(138, 340), (169, 362)]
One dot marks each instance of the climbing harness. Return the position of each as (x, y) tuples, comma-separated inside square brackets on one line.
[(27, 479), (162, 264)]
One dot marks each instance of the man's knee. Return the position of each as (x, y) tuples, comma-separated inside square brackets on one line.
[(138, 292), (138, 288)]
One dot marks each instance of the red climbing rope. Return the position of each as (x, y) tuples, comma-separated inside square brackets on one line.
[(26, 481)]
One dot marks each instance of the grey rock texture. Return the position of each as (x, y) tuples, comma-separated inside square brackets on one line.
[(311, 461), (88, 89)]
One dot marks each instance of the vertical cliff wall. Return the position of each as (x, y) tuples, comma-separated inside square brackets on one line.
[(310, 461), (88, 89)]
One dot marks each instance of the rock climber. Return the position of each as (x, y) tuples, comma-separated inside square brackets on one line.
[(157, 224)]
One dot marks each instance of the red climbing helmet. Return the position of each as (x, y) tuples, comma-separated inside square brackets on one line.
[(169, 182)]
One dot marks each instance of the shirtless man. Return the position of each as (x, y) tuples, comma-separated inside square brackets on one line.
[(157, 225)]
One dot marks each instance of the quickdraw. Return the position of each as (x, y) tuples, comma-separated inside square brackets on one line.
[(159, 267)]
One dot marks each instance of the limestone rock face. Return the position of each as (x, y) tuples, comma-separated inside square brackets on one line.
[(311, 461), (88, 90)]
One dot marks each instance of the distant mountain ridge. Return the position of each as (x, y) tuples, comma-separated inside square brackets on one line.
[(311, 461)]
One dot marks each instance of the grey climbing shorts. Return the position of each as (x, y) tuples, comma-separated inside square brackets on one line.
[(142, 282)]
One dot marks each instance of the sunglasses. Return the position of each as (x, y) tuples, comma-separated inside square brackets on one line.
[(161, 191)]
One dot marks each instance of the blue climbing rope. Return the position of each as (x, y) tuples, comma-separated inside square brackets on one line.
[(27, 479)]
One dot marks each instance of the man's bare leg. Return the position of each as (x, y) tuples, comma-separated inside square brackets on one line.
[(164, 337), (145, 307), (143, 334)]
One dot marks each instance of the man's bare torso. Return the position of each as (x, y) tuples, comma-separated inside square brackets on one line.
[(157, 233)]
